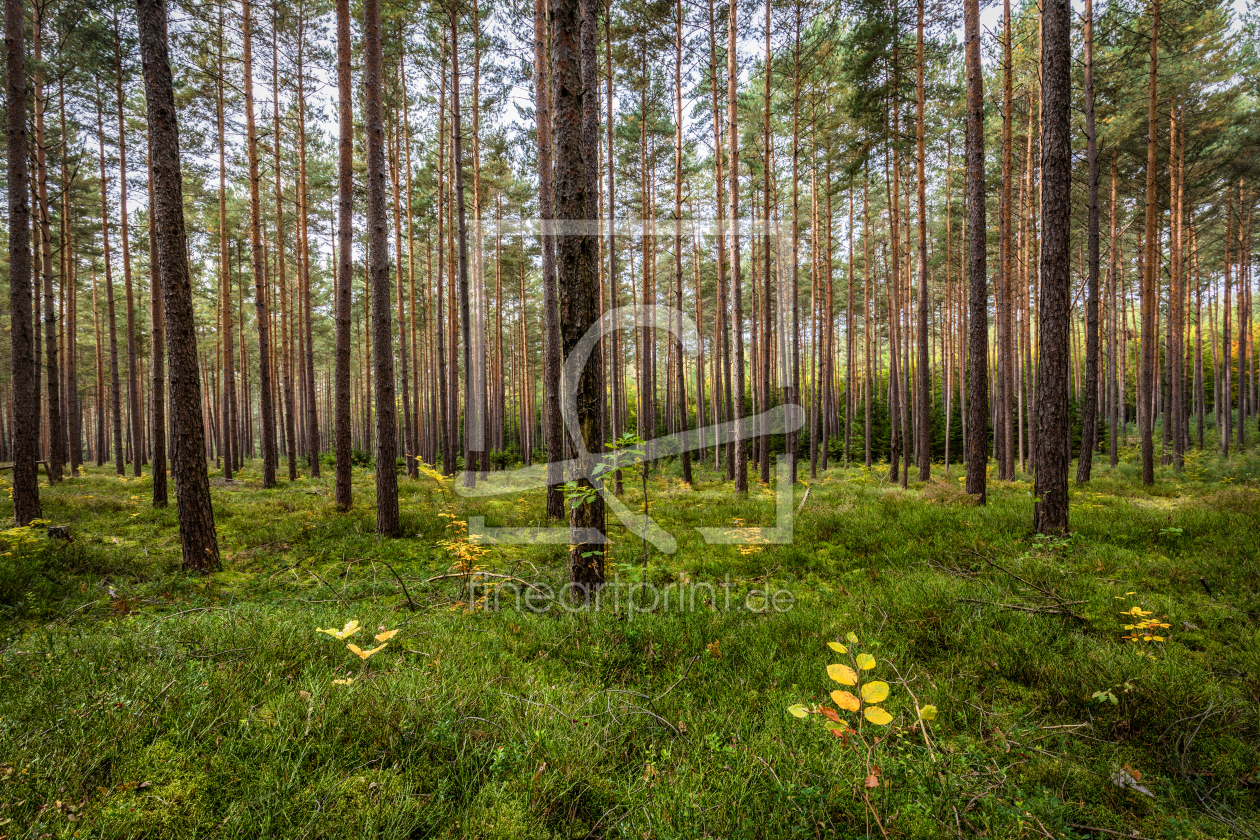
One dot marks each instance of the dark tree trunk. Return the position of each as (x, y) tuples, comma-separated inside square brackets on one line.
[(192, 484), (345, 257), (978, 339), (114, 381), (388, 523), (1053, 452), (1089, 413), (267, 417), (924, 445), (25, 412), (472, 399), (157, 353), (577, 281)]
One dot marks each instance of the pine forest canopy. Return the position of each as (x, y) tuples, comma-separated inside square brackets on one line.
[(282, 238)]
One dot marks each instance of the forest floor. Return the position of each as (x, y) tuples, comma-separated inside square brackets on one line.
[(138, 701)]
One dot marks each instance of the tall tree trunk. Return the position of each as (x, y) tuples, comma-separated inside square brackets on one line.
[(1150, 278), (1089, 414), (924, 395), (282, 285), (678, 287), (157, 355), (736, 285), (978, 340), (25, 412), (345, 257), (552, 429), (133, 376), (472, 399), (56, 438), (228, 416), (115, 384), (1053, 451), (388, 523), (266, 408), (1005, 381), (576, 269), (192, 484)]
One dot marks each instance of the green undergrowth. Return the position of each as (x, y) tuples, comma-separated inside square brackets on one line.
[(138, 701)]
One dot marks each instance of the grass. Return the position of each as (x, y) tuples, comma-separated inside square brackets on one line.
[(137, 701)]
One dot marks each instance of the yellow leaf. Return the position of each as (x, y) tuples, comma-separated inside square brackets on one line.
[(877, 715), (842, 674), (852, 638), (928, 713), (865, 661), (344, 682), (346, 632), (874, 692), (386, 636), (364, 654), (846, 701), (837, 647), (799, 710)]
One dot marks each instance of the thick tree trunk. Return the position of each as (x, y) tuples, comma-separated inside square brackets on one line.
[(192, 484), (576, 268), (388, 523), (25, 412), (345, 257), (1053, 452), (977, 447)]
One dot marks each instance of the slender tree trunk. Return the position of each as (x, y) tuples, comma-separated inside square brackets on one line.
[(266, 407), (737, 291), (978, 339), (345, 257), (192, 484), (924, 385), (387, 514), (115, 383), (678, 179), (553, 433), (1005, 383), (286, 332), (25, 412), (56, 438), (1089, 413), (1150, 278), (228, 419), (157, 355), (133, 377)]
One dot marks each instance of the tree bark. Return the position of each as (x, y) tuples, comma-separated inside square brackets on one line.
[(56, 438), (736, 285), (25, 413), (192, 484), (978, 339), (924, 395), (388, 523), (576, 269), (157, 355), (1053, 452), (345, 256)]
